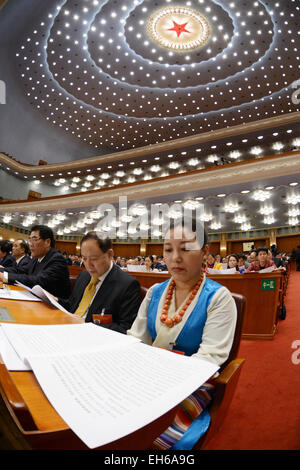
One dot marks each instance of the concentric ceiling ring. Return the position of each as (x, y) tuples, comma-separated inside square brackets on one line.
[(92, 69)]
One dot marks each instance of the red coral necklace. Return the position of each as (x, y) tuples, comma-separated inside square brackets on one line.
[(171, 321)]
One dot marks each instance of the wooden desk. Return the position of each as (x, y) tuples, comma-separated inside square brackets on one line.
[(27, 419), (263, 301), (262, 306)]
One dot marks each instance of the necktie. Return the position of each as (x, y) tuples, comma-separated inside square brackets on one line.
[(86, 299)]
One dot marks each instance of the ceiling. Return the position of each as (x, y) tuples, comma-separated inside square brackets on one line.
[(93, 69), (159, 88)]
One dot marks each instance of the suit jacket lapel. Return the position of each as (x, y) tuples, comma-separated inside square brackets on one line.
[(36, 265)]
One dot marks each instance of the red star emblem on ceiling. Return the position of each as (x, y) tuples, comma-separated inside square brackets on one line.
[(179, 28)]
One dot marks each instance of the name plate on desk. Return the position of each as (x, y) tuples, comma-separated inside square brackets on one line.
[(268, 284), (5, 315)]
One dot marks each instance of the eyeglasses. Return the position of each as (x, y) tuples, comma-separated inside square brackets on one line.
[(34, 239)]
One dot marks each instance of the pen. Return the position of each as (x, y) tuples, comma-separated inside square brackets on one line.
[(102, 312)]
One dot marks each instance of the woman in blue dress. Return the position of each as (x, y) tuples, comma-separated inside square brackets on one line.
[(189, 314)]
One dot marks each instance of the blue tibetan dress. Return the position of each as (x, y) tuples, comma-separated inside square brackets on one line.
[(192, 419)]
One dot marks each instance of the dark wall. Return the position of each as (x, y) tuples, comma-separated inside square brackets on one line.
[(24, 133)]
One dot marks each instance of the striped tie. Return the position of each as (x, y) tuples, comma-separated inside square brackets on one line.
[(86, 299)]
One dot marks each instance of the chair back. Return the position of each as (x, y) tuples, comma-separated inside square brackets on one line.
[(240, 302), (143, 291)]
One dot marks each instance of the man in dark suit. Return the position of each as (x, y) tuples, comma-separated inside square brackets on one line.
[(116, 294), (7, 260), (296, 254), (20, 251), (48, 268)]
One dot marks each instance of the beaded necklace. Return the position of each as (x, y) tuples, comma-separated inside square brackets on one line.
[(171, 321)]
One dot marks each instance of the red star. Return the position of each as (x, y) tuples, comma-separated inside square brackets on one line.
[(179, 28)]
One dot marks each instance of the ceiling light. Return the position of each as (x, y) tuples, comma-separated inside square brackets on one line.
[(239, 219), (293, 199), (266, 210), (231, 207), (215, 226), (293, 221), (294, 212), (261, 195), (269, 220), (246, 227)]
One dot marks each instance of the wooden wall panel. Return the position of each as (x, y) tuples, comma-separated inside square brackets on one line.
[(288, 243), (126, 250), (69, 247), (214, 247), (155, 249)]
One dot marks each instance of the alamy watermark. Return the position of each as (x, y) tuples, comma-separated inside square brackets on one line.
[(2, 92), (296, 354), (143, 222), (296, 93)]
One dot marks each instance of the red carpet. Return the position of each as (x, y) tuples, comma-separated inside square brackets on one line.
[(265, 412)]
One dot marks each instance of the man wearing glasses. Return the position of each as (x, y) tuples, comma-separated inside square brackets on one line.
[(48, 267), (103, 290)]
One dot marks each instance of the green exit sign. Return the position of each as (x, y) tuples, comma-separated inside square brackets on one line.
[(268, 284)]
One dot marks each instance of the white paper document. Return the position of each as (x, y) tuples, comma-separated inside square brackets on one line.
[(267, 270), (43, 295), (9, 356), (40, 340), (106, 396), (136, 268), (104, 384), (222, 271), (11, 294)]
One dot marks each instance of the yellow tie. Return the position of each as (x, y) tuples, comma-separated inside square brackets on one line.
[(86, 299)]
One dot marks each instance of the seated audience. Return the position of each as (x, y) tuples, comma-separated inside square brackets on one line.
[(103, 287), (67, 258), (241, 262), (7, 259), (188, 313), (156, 263), (163, 266), (211, 262), (118, 261), (123, 264), (262, 260), (233, 262), (75, 260), (48, 268), (252, 256), (279, 259), (149, 263), (218, 259)]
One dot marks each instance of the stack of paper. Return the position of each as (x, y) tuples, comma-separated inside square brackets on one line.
[(222, 271), (38, 293), (104, 385)]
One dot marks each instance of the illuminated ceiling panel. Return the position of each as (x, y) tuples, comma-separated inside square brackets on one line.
[(95, 70)]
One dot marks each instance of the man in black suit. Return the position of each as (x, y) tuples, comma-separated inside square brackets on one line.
[(7, 260), (117, 294), (48, 268), (20, 251)]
